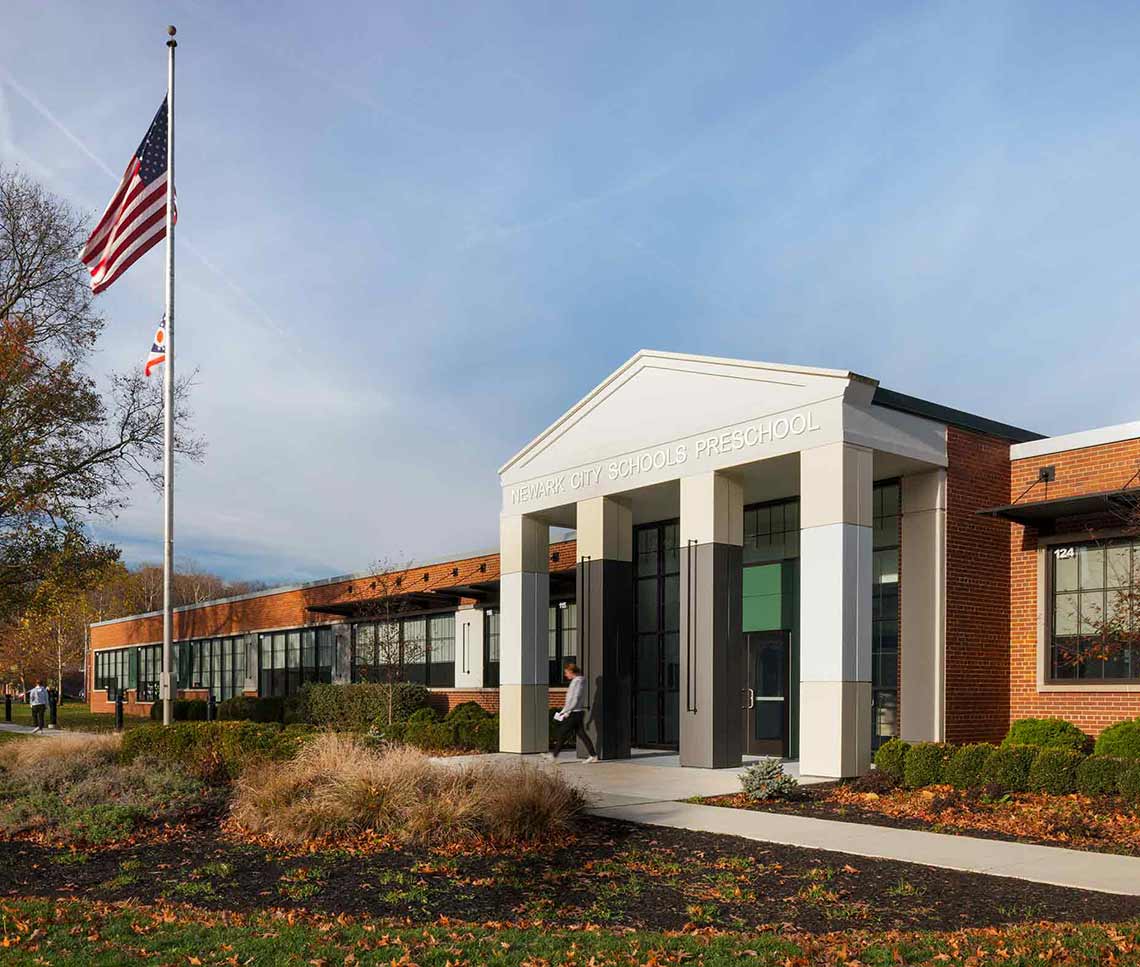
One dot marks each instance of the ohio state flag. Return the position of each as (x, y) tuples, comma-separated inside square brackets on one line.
[(158, 349)]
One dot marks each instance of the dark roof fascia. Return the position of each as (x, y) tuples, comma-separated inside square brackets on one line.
[(893, 400)]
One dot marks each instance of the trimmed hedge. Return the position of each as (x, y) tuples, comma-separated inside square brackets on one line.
[(1049, 733), (923, 766), (1098, 775), (245, 708), (359, 706), (890, 758), (1121, 740), (466, 727), (1128, 782), (1055, 771), (185, 710), (1008, 768), (213, 749), (963, 770)]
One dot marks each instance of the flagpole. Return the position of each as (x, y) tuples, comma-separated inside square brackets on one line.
[(168, 409)]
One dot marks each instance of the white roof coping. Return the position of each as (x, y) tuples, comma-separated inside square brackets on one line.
[(1076, 441)]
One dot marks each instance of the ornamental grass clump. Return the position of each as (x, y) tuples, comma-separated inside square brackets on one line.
[(766, 779), (337, 787)]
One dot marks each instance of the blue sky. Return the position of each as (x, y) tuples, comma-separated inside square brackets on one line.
[(412, 234)]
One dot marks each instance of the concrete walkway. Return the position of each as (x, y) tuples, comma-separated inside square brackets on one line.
[(646, 789)]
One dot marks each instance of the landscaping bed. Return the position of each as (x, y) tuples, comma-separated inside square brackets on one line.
[(608, 873), (1100, 824)]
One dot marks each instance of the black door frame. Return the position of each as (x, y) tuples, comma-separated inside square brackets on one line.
[(666, 691), (752, 746)]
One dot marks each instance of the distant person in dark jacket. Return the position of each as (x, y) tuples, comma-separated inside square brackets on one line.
[(573, 713)]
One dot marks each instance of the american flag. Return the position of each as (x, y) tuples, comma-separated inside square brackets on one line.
[(135, 220)]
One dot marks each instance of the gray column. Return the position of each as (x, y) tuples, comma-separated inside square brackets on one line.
[(524, 597), (711, 641), (469, 647), (605, 622), (922, 689), (836, 512)]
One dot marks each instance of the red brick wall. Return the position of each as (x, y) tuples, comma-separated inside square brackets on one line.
[(1089, 470), (445, 699), (977, 588)]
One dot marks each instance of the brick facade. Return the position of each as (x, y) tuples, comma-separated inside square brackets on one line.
[(1084, 471), (977, 588)]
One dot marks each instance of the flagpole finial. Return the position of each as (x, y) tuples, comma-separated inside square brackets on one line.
[(172, 30)]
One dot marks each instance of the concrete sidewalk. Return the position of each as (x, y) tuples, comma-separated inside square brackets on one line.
[(1076, 869)]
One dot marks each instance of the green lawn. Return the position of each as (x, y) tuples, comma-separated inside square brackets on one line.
[(77, 716), (76, 932)]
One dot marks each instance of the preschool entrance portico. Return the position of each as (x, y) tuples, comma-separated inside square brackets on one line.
[(724, 512)]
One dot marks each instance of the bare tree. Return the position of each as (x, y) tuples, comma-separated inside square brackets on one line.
[(382, 652), (67, 451)]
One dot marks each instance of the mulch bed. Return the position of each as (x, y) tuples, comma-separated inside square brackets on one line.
[(1103, 825), (612, 874)]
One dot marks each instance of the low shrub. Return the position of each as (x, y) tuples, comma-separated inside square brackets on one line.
[(1098, 775), (1047, 734), (213, 750), (247, 708), (766, 779), (1007, 769), (923, 764), (1054, 770), (362, 705), (890, 758), (336, 787), (1121, 740), (1128, 782), (963, 770), (475, 727), (184, 710), (75, 790)]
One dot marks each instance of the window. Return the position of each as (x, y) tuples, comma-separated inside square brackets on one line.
[(1095, 613), (116, 670), (491, 649), (772, 532), (288, 660), (885, 612), (562, 639), (421, 649)]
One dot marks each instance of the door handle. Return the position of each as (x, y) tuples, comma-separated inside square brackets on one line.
[(751, 698)]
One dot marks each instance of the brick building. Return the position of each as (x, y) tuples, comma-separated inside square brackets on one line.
[(768, 560)]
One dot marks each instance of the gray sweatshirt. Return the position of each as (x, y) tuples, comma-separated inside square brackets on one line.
[(575, 695)]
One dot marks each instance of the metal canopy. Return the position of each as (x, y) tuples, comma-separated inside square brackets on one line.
[(1039, 513)]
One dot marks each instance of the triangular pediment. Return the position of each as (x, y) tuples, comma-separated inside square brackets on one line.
[(657, 398)]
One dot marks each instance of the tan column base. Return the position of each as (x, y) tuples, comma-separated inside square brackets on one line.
[(524, 718), (835, 729)]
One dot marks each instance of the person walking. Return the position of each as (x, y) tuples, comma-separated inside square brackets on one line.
[(573, 713), (38, 700)]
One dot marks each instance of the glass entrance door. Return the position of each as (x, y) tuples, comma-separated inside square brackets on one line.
[(657, 622), (766, 729)]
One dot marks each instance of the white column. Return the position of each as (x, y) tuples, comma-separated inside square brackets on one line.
[(469, 647), (923, 685), (835, 610), (524, 597)]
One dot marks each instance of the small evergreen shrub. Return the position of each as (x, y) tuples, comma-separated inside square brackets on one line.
[(1098, 775), (1007, 769), (890, 758), (963, 770), (1047, 734), (185, 710), (1055, 771), (246, 708), (475, 728), (1128, 782), (1121, 740), (359, 706), (215, 750), (923, 765), (426, 730), (766, 779)]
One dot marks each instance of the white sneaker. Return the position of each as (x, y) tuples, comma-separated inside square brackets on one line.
[(592, 758)]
